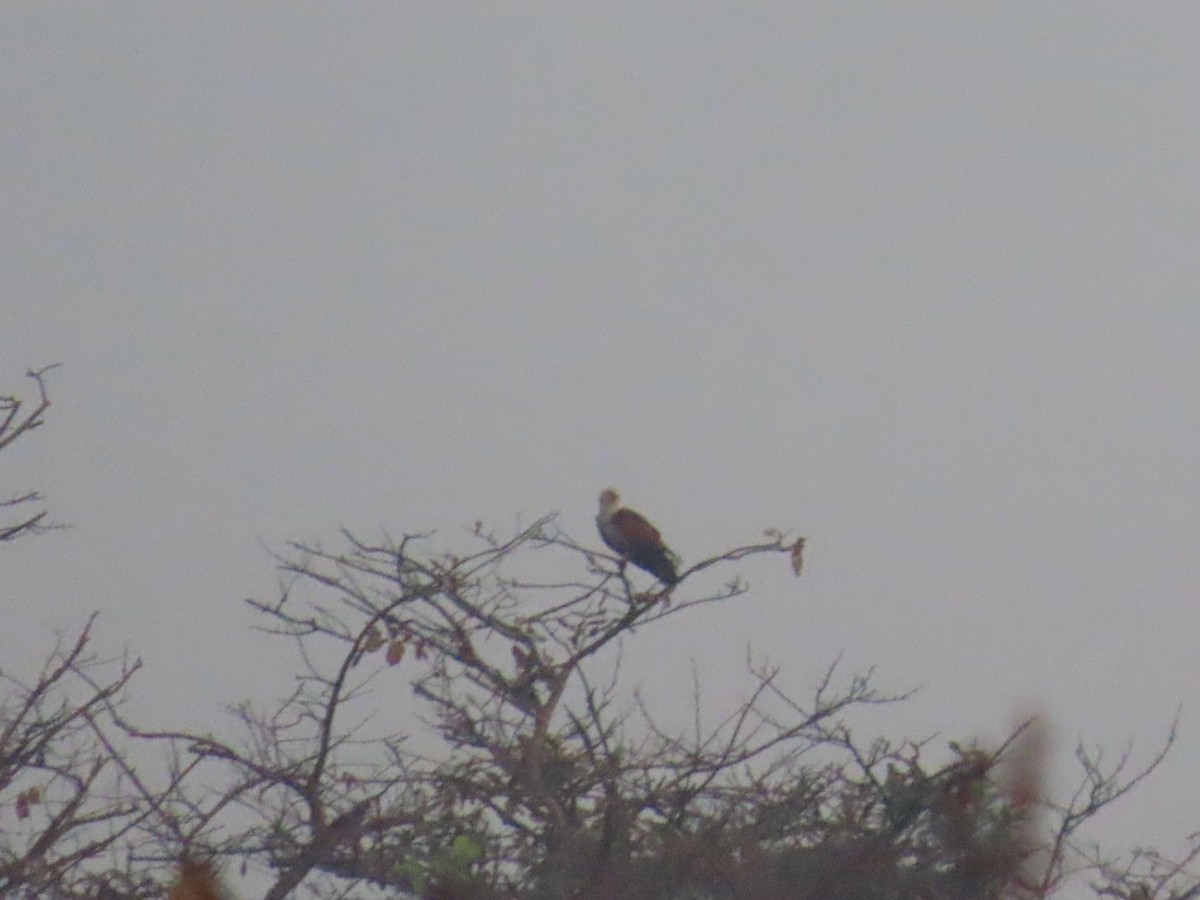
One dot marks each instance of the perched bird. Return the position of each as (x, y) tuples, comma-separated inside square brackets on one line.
[(634, 539)]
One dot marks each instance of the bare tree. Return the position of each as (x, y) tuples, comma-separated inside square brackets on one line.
[(68, 810), (459, 728), (523, 768)]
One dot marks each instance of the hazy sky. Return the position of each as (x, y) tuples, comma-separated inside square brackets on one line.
[(919, 281)]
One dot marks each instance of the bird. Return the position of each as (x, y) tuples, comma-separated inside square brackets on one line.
[(634, 539)]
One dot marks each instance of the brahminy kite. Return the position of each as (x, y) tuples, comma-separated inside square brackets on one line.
[(634, 539)]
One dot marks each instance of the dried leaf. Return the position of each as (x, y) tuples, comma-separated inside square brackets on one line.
[(374, 640), (798, 556), (395, 652)]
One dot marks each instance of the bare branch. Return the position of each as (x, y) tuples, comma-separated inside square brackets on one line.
[(17, 421)]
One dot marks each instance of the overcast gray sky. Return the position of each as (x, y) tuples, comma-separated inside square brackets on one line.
[(917, 280)]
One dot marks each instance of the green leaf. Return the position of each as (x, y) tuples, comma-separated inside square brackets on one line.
[(465, 850), (415, 873)]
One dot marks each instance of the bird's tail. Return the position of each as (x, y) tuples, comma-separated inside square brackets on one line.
[(662, 565)]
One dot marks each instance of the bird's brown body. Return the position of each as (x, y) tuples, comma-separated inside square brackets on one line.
[(634, 539)]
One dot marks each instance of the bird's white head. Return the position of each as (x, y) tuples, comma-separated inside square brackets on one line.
[(610, 501)]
